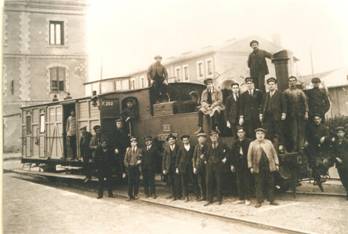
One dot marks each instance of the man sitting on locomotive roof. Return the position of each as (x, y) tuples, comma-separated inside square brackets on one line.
[(85, 152), (104, 160), (132, 161), (263, 162), (199, 161), (318, 101), (172, 151), (297, 114), (341, 156), (250, 108), (316, 134), (211, 106), (71, 133), (258, 65), (129, 115), (158, 74)]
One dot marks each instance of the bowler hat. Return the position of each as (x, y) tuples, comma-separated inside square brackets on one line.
[(272, 79), (253, 41)]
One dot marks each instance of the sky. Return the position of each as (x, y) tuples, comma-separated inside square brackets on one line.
[(123, 36)]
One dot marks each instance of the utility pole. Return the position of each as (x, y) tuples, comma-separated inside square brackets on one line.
[(101, 73)]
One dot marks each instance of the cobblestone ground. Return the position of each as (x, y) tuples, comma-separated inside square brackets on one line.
[(34, 209)]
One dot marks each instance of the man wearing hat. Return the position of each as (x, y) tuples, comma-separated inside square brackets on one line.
[(211, 106), (151, 155), (132, 161), (216, 158), (172, 151), (95, 141), (274, 112), (104, 161), (257, 64), (250, 108), (158, 75), (263, 162), (120, 142), (296, 116), (199, 161), (317, 134), (341, 156), (239, 164), (318, 100), (129, 115), (184, 165), (232, 108), (85, 151)]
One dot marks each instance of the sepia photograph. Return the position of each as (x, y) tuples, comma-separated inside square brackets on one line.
[(174, 116)]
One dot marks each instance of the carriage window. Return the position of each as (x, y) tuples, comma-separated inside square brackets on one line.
[(42, 123), (28, 124)]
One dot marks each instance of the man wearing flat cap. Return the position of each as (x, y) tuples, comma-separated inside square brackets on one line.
[(296, 116), (151, 155), (158, 75), (274, 112), (263, 162), (211, 106), (257, 64), (250, 108), (216, 159), (85, 152), (199, 162), (172, 151), (318, 100), (341, 156)]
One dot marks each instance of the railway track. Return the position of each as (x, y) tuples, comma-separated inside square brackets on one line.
[(73, 183)]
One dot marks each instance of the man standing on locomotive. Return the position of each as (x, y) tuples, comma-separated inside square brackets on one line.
[(317, 133), (184, 166), (263, 162), (239, 164), (199, 161), (129, 115), (158, 74), (318, 101), (132, 161), (258, 65), (341, 156), (85, 152), (250, 108), (297, 114), (274, 112), (71, 133), (172, 151), (211, 106), (216, 158)]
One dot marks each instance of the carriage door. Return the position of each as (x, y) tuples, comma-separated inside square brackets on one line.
[(55, 132), (67, 109), (110, 110)]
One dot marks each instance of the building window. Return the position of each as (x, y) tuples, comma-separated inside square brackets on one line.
[(178, 73), (186, 75), (132, 83), (28, 124), (56, 33), (42, 122), (200, 69), (209, 67), (118, 85), (57, 77), (12, 87), (142, 82)]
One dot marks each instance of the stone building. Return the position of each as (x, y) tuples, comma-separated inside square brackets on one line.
[(44, 54)]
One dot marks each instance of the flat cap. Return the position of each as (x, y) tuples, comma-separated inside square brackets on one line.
[(292, 77), (148, 138), (213, 132), (253, 41), (132, 139), (96, 127), (207, 80), (202, 134), (340, 128), (316, 80), (260, 130), (158, 57), (247, 79), (171, 136), (272, 79)]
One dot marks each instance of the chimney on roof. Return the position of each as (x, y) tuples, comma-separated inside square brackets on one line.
[(276, 38)]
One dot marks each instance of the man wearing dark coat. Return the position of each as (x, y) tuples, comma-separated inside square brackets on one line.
[(296, 116), (172, 151), (199, 162), (341, 156), (239, 164), (184, 166), (232, 108), (121, 142), (274, 112), (216, 158), (95, 141), (104, 160), (158, 74), (318, 101), (258, 65), (250, 108), (151, 155), (129, 115), (85, 152), (316, 134)]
